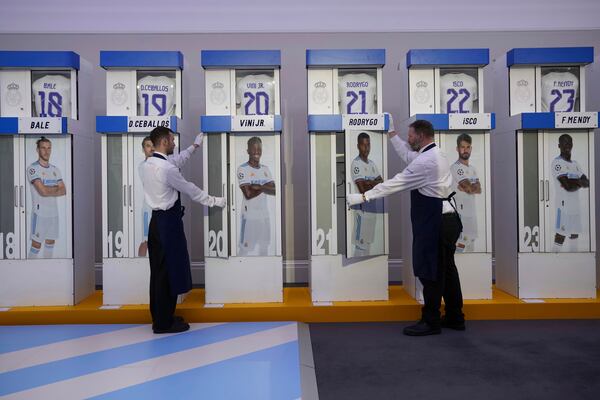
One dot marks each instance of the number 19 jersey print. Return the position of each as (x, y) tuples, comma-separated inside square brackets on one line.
[(156, 96)]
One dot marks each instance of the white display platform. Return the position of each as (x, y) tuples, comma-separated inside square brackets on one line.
[(125, 281), (242, 280), (557, 275), (44, 282), (336, 278), (475, 272)]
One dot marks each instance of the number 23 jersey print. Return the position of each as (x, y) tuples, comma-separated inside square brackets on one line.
[(52, 96), (458, 92), (156, 96), (559, 91)]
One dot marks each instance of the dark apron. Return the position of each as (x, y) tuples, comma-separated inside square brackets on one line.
[(426, 219), (174, 245)]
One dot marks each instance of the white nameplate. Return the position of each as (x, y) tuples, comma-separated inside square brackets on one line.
[(469, 121), (146, 124), (374, 122), (40, 125), (576, 120), (252, 123)]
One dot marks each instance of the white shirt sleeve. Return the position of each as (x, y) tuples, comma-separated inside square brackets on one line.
[(412, 177), (178, 182), (403, 149), (180, 159)]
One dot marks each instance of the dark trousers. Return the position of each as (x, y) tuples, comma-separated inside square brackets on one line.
[(162, 302), (447, 283)]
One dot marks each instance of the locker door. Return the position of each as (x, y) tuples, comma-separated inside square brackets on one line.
[(216, 229), (115, 213), (531, 191), (365, 223), (323, 193), (567, 191), (10, 209)]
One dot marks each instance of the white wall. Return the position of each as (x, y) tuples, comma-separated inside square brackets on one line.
[(198, 16)]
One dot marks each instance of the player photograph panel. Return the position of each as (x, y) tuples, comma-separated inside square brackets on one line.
[(47, 207), (560, 89), (357, 91), (466, 154), (8, 198), (51, 93), (366, 221), (115, 196), (322, 234), (255, 92), (142, 150), (529, 189), (156, 93), (217, 241), (459, 90), (569, 227), (255, 194)]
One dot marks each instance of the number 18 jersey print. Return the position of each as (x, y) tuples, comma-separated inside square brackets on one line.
[(255, 95), (559, 91), (458, 92), (358, 94), (52, 96), (156, 96)]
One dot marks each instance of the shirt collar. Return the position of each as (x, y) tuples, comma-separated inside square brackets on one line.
[(158, 154), (428, 147)]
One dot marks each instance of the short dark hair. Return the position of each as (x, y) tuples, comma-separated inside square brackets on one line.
[(464, 137), (146, 139), (361, 136), (158, 134), (42, 140), (423, 127), (564, 137), (254, 140)]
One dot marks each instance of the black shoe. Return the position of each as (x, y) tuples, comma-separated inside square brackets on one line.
[(421, 328), (453, 324), (176, 327), (177, 318)]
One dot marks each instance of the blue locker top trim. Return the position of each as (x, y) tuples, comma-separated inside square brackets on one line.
[(442, 57), (120, 123), (39, 59), (222, 123), (550, 56), (325, 123), (345, 57), (10, 126), (240, 58), (141, 59)]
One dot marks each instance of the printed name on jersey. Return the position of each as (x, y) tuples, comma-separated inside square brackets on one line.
[(355, 84)]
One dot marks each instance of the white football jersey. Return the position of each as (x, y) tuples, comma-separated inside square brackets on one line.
[(52, 96), (44, 206), (358, 94), (255, 95), (567, 201), (146, 210), (366, 213), (156, 96), (559, 91), (255, 208), (465, 202), (458, 92)]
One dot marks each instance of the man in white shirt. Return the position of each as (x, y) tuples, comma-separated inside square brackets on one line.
[(365, 176), (571, 179), (435, 225), (466, 185), (46, 186), (256, 183), (170, 273)]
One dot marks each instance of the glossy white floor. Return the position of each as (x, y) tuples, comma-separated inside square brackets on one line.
[(268, 360)]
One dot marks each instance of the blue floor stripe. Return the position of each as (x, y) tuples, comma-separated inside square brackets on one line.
[(267, 374), (13, 338), (44, 374)]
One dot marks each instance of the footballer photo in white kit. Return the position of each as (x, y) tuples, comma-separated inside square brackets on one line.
[(559, 91), (156, 95), (255, 94), (256, 196), (51, 95), (47, 196), (357, 93), (458, 92)]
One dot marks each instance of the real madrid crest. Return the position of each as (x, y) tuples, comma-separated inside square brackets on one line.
[(13, 95), (320, 95), (217, 94), (523, 92), (421, 92), (118, 95)]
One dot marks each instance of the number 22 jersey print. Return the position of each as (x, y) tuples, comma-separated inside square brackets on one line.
[(156, 96), (52, 96), (559, 91), (458, 92)]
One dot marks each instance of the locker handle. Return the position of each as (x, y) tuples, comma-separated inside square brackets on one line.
[(21, 196), (130, 195), (547, 190), (16, 196), (231, 198), (541, 190), (124, 195), (349, 188), (333, 190), (224, 194)]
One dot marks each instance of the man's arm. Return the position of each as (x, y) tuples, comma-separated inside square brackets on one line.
[(49, 191), (469, 187), (178, 182), (403, 149), (269, 188), (570, 185), (365, 185), (412, 177), (250, 191), (584, 182), (181, 158)]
